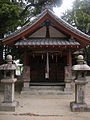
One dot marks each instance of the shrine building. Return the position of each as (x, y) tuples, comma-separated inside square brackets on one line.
[(47, 42)]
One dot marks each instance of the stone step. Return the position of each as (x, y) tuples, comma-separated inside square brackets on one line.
[(47, 87), (43, 90)]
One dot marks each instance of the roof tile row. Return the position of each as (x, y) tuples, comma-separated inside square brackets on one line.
[(46, 41)]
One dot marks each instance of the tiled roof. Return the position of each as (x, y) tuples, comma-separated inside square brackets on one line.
[(61, 21), (26, 26), (68, 26), (46, 41)]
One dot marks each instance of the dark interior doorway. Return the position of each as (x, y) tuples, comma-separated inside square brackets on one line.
[(38, 65), (57, 65), (37, 68)]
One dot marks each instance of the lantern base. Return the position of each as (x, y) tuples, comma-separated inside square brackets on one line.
[(79, 107), (8, 106)]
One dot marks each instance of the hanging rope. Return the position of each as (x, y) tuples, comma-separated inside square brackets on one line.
[(47, 67)]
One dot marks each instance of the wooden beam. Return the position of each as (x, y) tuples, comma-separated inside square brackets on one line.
[(47, 32)]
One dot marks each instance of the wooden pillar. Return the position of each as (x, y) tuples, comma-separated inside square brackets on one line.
[(26, 73), (69, 58), (67, 78), (25, 58)]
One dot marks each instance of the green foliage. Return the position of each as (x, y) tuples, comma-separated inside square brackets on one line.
[(9, 16), (79, 16), (14, 13), (44, 2)]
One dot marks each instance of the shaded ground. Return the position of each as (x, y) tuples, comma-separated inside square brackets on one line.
[(49, 107)]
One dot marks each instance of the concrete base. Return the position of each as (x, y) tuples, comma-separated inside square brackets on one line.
[(78, 107), (8, 106)]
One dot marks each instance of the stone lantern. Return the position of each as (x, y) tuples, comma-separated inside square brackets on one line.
[(80, 82), (9, 103)]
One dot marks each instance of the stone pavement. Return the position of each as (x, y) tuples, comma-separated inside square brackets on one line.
[(36, 107)]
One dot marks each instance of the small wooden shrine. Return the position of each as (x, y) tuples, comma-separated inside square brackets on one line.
[(47, 42)]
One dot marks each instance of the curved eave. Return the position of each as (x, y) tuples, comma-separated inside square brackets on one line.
[(60, 24), (70, 27), (25, 29), (66, 27)]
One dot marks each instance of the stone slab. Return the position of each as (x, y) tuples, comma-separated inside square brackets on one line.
[(8, 106), (78, 107)]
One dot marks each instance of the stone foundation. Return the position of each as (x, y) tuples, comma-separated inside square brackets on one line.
[(26, 78)]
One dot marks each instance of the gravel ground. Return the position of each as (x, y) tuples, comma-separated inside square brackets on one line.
[(36, 107)]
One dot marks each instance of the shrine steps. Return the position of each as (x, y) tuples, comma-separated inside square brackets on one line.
[(43, 90)]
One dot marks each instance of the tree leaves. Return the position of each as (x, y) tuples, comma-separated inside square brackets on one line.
[(14, 13), (79, 16), (9, 16)]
